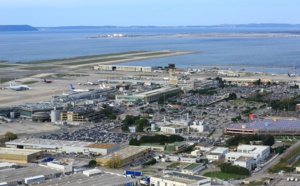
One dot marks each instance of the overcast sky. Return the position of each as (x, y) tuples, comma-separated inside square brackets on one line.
[(147, 12)]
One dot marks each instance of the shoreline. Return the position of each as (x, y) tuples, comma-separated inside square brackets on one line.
[(255, 34)]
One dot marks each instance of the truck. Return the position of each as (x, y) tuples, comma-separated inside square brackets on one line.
[(133, 173)]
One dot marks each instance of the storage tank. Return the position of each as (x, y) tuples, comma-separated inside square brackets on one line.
[(54, 115), (153, 127)]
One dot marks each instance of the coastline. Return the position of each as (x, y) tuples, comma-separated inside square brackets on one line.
[(269, 34)]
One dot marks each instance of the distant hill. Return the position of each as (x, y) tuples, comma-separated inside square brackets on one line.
[(250, 25), (7, 28)]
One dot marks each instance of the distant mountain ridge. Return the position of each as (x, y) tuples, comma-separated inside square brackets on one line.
[(251, 25), (6, 28)]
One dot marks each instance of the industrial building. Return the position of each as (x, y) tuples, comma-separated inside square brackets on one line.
[(126, 155), (61, 166), (99, 178), (18, 155), (63, 146), (181, 179), (17, 176), (193, 168), (123, 68), (265, 126), (149, 96)]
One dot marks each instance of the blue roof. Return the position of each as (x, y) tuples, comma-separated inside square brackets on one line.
[(268, 124)]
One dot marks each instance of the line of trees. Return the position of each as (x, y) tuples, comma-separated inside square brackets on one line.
[(238, 139), (139, 122), (233, 169), (161, 139)]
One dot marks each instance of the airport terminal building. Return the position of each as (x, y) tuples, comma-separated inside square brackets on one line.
[(149, 96)]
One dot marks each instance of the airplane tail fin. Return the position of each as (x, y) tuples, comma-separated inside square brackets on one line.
[(10, 84), (72, 87), (45, 80)]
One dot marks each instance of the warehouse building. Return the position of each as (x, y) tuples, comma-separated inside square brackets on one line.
[(99, 178), (63, 146), (123, 68), (126, 155), (181, 179), (193, 168), (18, 155), (17, 176), (265, 126), (149, 96)]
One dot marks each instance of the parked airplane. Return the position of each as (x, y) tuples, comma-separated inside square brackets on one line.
[(18, 87), (47, 81), (78, 90)]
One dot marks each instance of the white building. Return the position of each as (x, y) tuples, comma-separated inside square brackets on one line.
[(63, 146), (189, 159), (244, 161), (179, 179), (64, 167), (193, 168), (263, 151), (220, 150), (92, 172), (196, 153), (198, 126), (214, 156), (172, 158), (233, 156), (172, 129)]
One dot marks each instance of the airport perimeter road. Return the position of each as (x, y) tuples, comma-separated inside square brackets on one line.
[(264, 171)]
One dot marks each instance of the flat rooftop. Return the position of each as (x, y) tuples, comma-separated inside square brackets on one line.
[(17, 151), (182, 178), (253, 148), (192, 166), (101, 145), (126, 152), (157, 91), (95, 180), (268, 124), (21, 173), (48, 142), (243, 158)]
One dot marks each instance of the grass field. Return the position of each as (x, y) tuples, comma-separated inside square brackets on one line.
[(173, 165), (95, 61), (4, 80), (85, 57), (29, 82), (6, 65), (40, 68), (221, 175)]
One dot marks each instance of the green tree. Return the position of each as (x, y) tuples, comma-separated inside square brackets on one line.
[(92, 163), (114, 162), (134, 142), (112, 117), (11, 136)]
